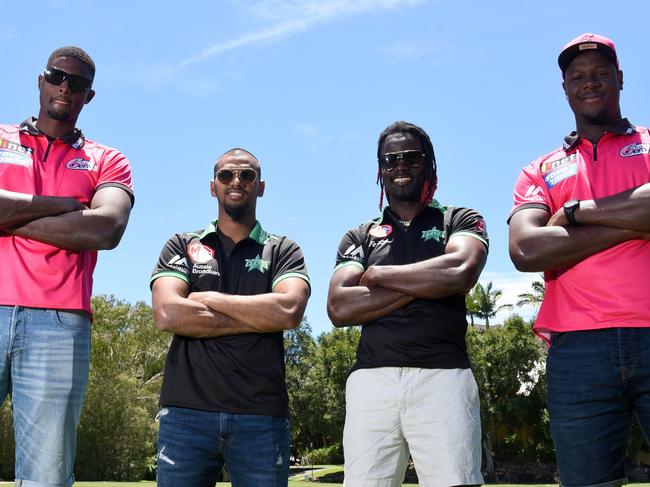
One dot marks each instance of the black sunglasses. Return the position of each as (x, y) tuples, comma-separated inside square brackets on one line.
[(410, 158), (245, 176), (77, 84)]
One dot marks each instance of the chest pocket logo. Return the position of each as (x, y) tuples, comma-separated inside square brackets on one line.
[(257, 264), (433, 234), (79, 164), (636, 149)]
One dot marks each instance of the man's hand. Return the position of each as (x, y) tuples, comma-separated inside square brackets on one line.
[(370, 276), (558, 219)]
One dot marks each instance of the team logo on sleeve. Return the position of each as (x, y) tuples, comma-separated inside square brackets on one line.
[(635, 149), (257, 264), (354, 252), (178, 262), (200, 253), (534, 193), (381, 231), (480, 227), (79, 164)]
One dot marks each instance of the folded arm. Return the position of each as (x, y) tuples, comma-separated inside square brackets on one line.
[(454, 272), (279, 310), (20, 208), (534, 246), (628, 210), (350, 303), (175, 313), (99, 227)]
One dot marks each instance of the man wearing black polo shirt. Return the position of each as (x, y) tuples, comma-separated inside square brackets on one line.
[(227, 293), (403, 277)]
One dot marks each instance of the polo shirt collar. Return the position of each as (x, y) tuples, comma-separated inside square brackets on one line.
[(76, 139), (624, 127), (387, 212), (258, 234)]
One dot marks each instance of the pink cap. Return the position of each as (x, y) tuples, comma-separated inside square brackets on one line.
[(584, 43)]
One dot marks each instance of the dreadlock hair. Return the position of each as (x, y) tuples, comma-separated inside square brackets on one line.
[(430, 170), (73, 52)]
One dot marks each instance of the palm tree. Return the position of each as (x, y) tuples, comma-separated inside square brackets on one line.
[(471, 306), (535, 297), (486, 300)]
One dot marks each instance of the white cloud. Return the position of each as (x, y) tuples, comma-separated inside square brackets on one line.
[(291, 17)]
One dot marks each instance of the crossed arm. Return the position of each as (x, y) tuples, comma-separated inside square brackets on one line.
[(357, 297), (540, 241), (65, 222), (212, 314)]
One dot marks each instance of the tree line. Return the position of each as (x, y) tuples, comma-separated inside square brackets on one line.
[(117, 434)]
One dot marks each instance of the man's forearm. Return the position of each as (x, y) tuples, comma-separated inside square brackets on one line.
[(20, 208), (264, 313), (434, 278), (554, 247), (629, 210), (358, 305), (77, 230), (190, 318)]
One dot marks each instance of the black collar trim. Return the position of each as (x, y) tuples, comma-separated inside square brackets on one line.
[(624, 127), (76, 139)]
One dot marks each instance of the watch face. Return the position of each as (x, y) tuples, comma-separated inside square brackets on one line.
[(571, 204)]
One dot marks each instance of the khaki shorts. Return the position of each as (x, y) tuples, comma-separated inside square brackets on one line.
[(431, 414)]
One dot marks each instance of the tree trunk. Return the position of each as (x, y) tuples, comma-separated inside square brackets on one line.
[(488, 466)]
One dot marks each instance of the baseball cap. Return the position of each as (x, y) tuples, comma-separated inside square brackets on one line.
[(583, 43)]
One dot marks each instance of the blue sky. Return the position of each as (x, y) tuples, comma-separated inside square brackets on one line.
[(308, 86)]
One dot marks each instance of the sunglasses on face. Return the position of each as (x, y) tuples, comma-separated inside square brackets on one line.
[(410, 158), (245, 176), (77, 84)]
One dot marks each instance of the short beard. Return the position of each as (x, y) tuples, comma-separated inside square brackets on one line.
[(57, 115), (237, 212)]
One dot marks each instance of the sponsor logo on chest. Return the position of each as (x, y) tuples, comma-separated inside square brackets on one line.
[(16, 154), (547, 166), (200, 253)]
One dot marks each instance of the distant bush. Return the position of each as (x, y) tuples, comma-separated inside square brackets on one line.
[(326, 456)]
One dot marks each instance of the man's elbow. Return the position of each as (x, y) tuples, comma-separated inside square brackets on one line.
[(161, 318), (525, 261), (336, 314)]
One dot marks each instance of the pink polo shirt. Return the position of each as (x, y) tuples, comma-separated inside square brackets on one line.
[(607, 289), (33, 273)]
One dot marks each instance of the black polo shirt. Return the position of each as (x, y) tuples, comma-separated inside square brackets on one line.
[(426, 333), (239, 373)]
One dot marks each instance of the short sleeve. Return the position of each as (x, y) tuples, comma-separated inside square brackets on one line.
[(468, 222), (172, 261), (351, 251), (530, 191), (116, 171), (289, 262)]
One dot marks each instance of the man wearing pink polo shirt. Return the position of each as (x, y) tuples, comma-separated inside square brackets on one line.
[(62, 198), (582, 215)]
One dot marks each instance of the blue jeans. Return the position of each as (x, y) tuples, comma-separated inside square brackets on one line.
[(597, 379), (194, 445), (44, 360)]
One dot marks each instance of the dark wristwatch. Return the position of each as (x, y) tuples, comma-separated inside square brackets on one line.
[(570, 208)]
